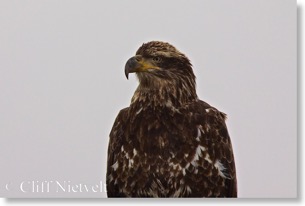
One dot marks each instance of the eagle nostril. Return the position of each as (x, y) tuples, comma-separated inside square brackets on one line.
[(138, 58)]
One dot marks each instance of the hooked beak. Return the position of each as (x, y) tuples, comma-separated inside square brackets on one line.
[(138, 64)]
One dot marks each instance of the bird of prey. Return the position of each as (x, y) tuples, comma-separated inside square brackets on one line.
[(168, 143)]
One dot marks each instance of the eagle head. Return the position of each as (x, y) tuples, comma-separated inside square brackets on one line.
[(160, 66)]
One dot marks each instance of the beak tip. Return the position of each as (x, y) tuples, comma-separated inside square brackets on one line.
[(126, 74)]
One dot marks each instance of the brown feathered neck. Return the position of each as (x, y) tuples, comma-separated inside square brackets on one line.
[(173, 91)]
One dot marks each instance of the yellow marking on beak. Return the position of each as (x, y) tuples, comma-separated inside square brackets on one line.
[(145, 65), (139, 64)]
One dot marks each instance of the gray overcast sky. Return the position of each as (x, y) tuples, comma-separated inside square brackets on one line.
[(62, 84)]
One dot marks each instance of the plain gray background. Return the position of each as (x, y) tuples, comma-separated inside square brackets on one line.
[(62, 84)]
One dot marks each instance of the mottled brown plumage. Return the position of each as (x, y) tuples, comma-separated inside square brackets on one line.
[(168, 143)]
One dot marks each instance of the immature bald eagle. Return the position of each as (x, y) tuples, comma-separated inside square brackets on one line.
[(168, 143)]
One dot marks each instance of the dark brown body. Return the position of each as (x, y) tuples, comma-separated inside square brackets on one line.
[(155, 153)]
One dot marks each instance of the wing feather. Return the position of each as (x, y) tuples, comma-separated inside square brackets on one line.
[(218, 146), (114, 146)]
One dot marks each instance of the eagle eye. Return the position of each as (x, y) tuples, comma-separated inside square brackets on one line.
[(157, 59)]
